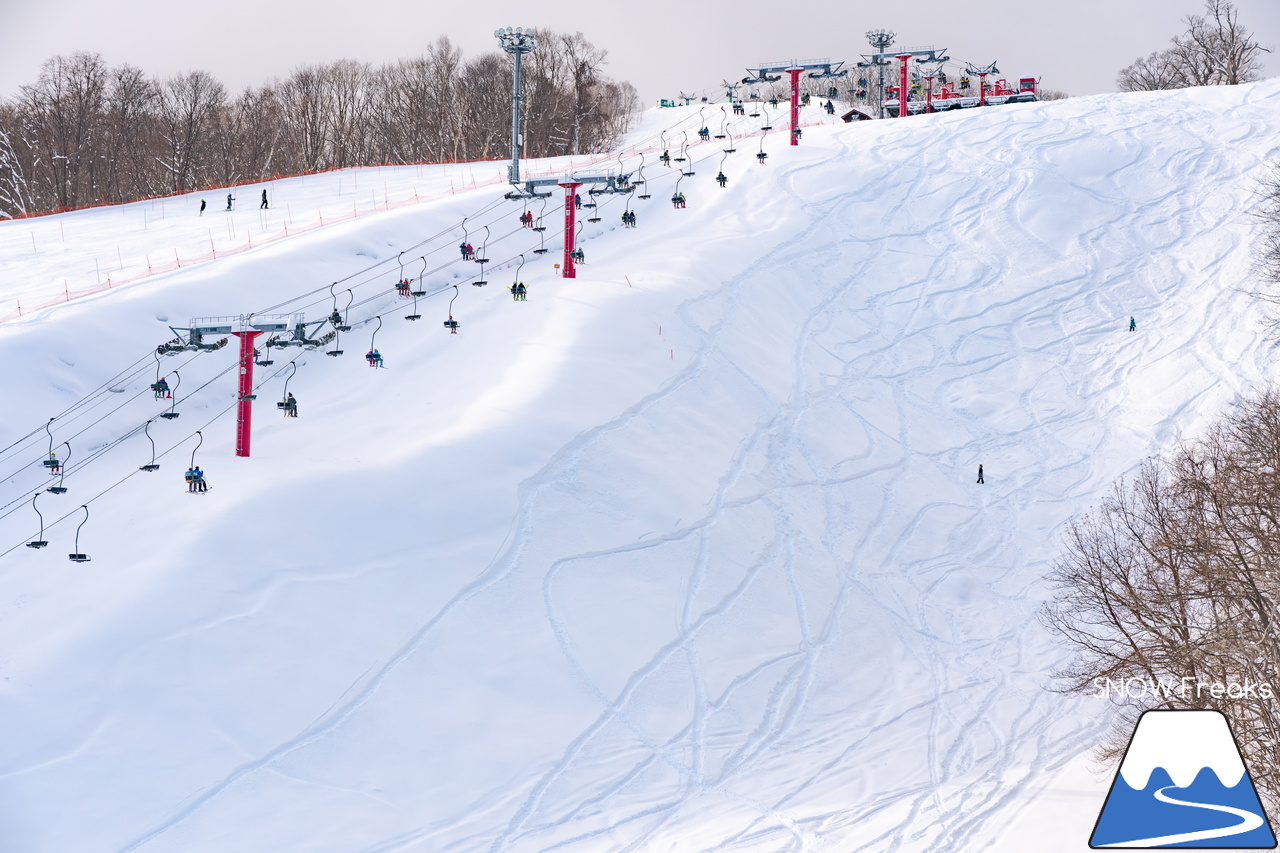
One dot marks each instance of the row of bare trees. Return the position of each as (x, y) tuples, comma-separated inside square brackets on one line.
[(1171, 587), (86, 133), (1214, 50)]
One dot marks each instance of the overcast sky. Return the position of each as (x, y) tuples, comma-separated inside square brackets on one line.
[(659, 45)]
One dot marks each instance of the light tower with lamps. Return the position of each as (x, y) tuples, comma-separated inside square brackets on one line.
[(880, 40), (516, 42)]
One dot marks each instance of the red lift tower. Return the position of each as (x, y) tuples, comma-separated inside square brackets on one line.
[(570, 221), (817, 68), (246, 329), (600, 182)]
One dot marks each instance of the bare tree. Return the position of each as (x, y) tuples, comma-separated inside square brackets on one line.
[(1159, 70), (1215, 49), (1173, 583), (61, 114), (189, 106)]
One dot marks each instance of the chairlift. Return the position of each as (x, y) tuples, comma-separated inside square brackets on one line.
[(420, 290), (51, 464), (730, 149), (283, 405), (38, 542), (724, 125), (261, 360), (452, 324), (79, 557), (402, 283), (160, 387), (484, 248), (61, 489), (540, 227), (173, 413), (375, 357), (150, 466), (683, 146), (640, 182), (336, 318), (516, 281), (196, 483)]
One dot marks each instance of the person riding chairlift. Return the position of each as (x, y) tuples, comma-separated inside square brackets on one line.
[(666, 158), (374, 358), (290, 406), (403, 287), (678, 200), (468, 252), (722, 180), (161, 388)]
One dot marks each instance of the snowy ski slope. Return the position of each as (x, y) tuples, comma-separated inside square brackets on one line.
[(685, 554)]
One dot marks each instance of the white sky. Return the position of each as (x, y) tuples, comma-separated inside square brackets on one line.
[(659, 45)]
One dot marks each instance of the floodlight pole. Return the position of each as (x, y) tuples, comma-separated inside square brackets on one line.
[(880, 40), (517, 43)]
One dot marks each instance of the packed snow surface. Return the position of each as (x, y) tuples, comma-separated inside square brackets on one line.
[(684, 554)]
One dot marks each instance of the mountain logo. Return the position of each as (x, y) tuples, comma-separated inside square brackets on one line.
[(1182, 783)]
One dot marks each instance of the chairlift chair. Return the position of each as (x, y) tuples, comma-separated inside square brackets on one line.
[(376, 361), (283, 405), (452, 324), (420, 290), (79, 557), (52, 463), (39, 541), (191, 481), (150, 466), (61, 489), (173, 413)]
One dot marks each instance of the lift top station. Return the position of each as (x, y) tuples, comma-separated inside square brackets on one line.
[(601, 182), (817, 68)]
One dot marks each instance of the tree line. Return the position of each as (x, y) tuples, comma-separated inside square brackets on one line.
[(1170, 589), (87, 133), (1214, 50)]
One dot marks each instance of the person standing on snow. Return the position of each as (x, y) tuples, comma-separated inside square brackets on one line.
[(263, 206), (980, 480), (229, 200), (202, 206), (1133, 325)]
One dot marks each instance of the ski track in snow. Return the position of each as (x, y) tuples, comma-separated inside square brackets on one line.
[(772, 612)]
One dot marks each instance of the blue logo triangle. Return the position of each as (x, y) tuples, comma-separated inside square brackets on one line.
[(1182, 783)]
